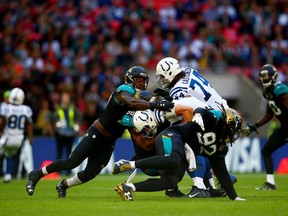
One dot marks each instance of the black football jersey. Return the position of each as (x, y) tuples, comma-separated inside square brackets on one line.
[(272, 95), (111, 116), (204, 142)]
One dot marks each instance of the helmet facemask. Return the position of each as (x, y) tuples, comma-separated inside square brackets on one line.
[(135, 72), (268, 75)]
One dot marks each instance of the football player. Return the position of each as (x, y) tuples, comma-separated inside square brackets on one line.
[(207, 134), (98, 141), (187, 82), (16, 120), (276, 95)]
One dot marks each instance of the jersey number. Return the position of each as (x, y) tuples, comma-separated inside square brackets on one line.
[(16, 122), (275, 109), (207, 141), (201, 83)]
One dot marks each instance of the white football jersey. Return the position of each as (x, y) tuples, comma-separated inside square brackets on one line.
[(15, 116), (194, 85)]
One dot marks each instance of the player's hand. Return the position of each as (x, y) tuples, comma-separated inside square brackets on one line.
[(239, 199), (197, 118), (161, 92), (162, 105), (246, 131)]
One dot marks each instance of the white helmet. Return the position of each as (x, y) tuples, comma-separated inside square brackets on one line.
[(144, 121), (166, 70), (16, 96)]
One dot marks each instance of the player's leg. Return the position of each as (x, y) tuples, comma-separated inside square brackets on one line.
[(198, 190), (81, 152), (275, 141), (170, 162), (163, 160), (96, 162), (168, 179)]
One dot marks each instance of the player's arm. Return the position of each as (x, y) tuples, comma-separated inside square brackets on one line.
[(132, 103), (246, 131), (138, 104), (265, 118), (284, 100), (219, 168), (269, 113), (185, 111)]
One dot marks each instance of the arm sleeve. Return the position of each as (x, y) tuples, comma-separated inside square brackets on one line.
[(219, 168)]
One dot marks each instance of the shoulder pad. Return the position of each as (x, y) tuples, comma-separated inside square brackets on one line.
[(280, 89), (216, 113), (126, 88), (127, 120)]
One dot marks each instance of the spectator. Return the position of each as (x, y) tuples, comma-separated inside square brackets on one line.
[(66, 121)]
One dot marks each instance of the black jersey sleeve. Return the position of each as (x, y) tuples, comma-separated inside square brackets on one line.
[(219, 168)]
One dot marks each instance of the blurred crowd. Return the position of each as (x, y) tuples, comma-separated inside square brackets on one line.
[(85, 47)]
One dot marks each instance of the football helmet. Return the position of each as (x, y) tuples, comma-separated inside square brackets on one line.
[(136, 71), (268, 75), (144, 121), (16, 96), (166, 70), (233, 125)]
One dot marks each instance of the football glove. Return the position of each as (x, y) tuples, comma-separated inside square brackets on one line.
[(162, 105), (161, 92), (246, 131)]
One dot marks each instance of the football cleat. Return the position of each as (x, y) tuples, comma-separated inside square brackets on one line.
[(174, 193), (207, 193), (61, 188), (33, 178), (266, 186), (124, 191), (121, 166), (216, 192), (196, 193)]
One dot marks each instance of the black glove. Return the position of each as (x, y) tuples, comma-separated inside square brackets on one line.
[(246, 131), (161, 92), (162, 105), (168, 98)]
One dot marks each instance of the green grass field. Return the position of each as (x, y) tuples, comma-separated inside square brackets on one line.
[(98, 197)]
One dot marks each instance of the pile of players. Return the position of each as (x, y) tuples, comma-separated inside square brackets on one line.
[(192, 137)]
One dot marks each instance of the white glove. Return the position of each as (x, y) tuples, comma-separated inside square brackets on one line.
[(239, 199), (190, 157), (197, 118)]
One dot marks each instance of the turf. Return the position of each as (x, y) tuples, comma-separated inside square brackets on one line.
[(98, 197)]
